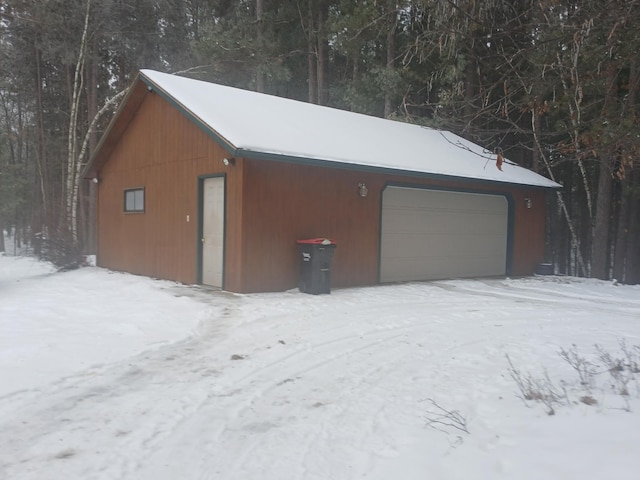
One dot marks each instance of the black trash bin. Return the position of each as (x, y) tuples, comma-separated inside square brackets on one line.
[(315, 265), (544, 269)]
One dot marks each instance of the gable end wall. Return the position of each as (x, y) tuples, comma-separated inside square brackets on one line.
[(164, 152)]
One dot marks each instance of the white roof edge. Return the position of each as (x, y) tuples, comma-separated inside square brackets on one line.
[(280, 127)]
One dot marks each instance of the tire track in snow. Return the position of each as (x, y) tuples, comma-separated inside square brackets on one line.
[(538, 296), (258, 381), (106, 409), (329, 412), (251, 447), (278, 369), (264, 395)]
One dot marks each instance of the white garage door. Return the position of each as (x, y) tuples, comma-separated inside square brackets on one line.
[(436, 234)]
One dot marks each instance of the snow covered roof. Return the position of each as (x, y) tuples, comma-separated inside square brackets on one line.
[(258, 125)]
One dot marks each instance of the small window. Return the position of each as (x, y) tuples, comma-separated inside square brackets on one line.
[(134, 200)]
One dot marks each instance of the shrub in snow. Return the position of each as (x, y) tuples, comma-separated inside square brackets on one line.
[(537, 389), (605, 373), (443, 419), (60, 249), (622, 369), (583, 367)]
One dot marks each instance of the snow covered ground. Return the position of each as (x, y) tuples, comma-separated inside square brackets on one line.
[(112, 376)]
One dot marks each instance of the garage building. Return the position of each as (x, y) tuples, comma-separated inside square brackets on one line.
[(203, 183)]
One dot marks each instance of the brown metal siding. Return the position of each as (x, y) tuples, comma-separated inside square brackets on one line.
[(164, 152), (285, 202), (529, 230)]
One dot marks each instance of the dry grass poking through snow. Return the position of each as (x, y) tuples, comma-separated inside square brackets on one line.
[(600, 375)]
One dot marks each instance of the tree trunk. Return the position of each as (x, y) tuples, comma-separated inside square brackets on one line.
[(90, 243), (41, 210), (312, 55), (621, 235), (537, 127), (391, 53), (323, 54), (260, 42), (600, 247), (632, 271), (73, 158), (469, 91), (1, 235)]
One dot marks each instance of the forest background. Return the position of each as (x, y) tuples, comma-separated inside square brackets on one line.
[(551, 84)]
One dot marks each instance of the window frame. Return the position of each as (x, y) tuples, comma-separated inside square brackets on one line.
[(135, 209)]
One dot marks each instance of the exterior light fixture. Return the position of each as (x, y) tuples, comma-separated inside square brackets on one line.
[(229, 161), (527, 202), (363, 191), (95, 180)]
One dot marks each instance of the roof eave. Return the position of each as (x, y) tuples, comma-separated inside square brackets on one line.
[(318, 162), (126, 110)]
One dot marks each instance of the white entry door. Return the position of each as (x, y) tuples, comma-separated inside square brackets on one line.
[(213, 231), (435, 234)]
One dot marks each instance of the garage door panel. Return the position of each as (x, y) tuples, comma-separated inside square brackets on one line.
[(442, 221), (431, 234), (413, 268), (443, 244)]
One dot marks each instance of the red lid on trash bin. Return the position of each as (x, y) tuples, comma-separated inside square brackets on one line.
[(316, 241)]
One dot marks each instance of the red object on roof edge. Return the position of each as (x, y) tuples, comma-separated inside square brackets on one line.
[(316, 241)]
